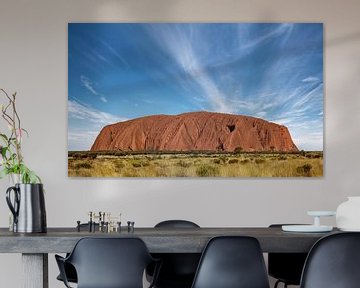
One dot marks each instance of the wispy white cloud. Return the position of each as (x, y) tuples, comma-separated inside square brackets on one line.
[(85, 123), (114, 53), (297, 107), (285, 28), (261, 114), (307, 97), (80, 111), (310, 79), (80, 140), (254, 106), (89, 85), (309, 140), (180, 47)]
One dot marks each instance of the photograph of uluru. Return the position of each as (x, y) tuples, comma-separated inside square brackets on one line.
[(195, 100)]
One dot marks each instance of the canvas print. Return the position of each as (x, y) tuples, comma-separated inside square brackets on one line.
[(195, 100)]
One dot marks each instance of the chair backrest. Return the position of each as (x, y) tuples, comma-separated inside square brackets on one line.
[(178, 269), (232, 262), (333, 262), (110, 262), (286, 266), (176, 224)]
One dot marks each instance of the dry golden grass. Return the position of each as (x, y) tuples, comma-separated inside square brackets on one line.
[(87, 164)]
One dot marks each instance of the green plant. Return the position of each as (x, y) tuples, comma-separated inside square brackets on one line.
[(12, 161)]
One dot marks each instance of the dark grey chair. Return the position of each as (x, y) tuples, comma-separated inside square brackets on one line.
[(178, 269), (108, 263), (70, 271), (286, 267), (333, 262), (232, 262)]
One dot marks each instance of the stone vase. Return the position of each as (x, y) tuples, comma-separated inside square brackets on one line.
[(348, 214)]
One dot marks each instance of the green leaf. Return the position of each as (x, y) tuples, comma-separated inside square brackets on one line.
[(4, 137), (28, 176), (33, 178), (4, 173), (3, 151), (26, 132)]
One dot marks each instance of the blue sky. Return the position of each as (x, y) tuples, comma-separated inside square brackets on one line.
[(123, 71)]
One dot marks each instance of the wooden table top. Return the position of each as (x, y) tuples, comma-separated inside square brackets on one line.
[(158, 240)]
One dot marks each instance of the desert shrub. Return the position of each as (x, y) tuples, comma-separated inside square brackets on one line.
[(244, 161), (83, 165), (238, 150), (304, 170), (183, 164), (233, 161), (119, 165), (145, 163), (80, 155), (259, 161), (217, 161), (139, 163), (223, 159), (282, 157), (313, 156), (207, 171)]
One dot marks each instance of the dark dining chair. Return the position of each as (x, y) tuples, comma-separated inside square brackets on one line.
[(286, 267), (70, 271), (232, 262), (333, 262), (108, 263), (178, 269)]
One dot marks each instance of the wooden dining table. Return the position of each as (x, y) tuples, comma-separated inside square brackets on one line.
[(35, 247)]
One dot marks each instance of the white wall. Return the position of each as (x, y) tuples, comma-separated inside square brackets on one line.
[(33, 62)]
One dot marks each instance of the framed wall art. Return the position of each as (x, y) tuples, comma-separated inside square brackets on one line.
[(195, 100)]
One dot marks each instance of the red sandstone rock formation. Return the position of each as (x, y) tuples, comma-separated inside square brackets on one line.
[(195, 131)]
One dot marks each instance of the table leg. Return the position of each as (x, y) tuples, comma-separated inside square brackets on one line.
[(35, 270)]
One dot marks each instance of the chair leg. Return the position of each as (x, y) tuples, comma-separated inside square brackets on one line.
[(279, 281)]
